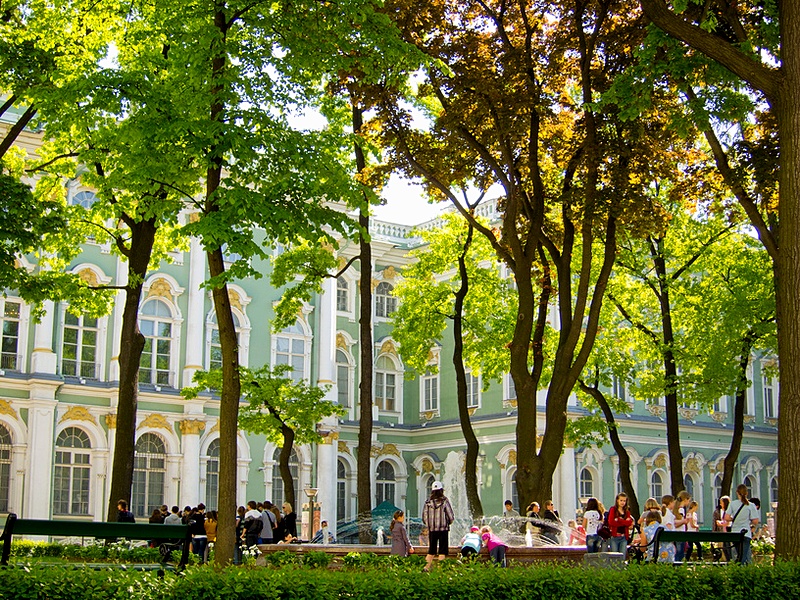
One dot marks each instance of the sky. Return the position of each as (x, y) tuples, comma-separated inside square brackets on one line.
[(406, 203)]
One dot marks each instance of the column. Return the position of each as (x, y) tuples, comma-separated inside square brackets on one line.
[(43, 358), (195, 317), (326, 479), (119, 307), (41, 426), (569, 496), (190, 471), (326, 369)]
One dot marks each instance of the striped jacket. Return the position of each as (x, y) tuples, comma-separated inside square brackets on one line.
[(437, 514)]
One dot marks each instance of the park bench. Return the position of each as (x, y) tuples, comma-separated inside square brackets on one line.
[(98, 530), (665, 536)]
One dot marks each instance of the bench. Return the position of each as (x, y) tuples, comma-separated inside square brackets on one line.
[(98, 530), (665, 536)]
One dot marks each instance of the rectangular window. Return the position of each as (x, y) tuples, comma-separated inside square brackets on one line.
[(473, 391), (385, 391), (342, 295), (79, 347), (343, 385), (618, 388), (291, 351), (10, 333), (430, 392), (511, 390), (770, 409)]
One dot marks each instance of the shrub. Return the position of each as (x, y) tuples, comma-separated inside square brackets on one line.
[(282, 558), (314, 559)]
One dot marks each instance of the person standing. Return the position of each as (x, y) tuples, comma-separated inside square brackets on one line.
[(619, 521), (289, 520), (123, 514), (591, 522), (174, 517), (267, 524), (552, 527), (437, 516), (742, 516), (252, 524), (401, 545)]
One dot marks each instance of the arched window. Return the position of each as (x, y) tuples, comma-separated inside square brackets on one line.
[(586, 483), (149, 474), (385, 302), (620, 489), (71, 474), (773, 490), (155, 323), (214, 347), (84, 199), (342, 503), (384, 483), (386, 381), (79, 346), (688, 484), (212, 474), (656, 485), (9, 333), (291, 347), (5, 467), (343, 379), (750, 482), (278, 493), (425, 488)]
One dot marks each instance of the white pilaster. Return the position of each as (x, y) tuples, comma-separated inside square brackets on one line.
[(195, 317), (569, 496), (326, 480), (119, 307), (43, 358), (190, 466), (41, 426)]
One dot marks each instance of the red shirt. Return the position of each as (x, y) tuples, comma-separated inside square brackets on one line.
[(619, 525)]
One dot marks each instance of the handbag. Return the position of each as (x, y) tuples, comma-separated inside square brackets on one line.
[(603, 530)]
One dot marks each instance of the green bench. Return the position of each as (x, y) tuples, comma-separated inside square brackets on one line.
[(665, 536), (98, 530)]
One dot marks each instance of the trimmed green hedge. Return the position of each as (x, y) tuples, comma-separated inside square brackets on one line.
[(402, 582), (121, 551)]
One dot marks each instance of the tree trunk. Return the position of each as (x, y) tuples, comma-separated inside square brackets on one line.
[(473, 447), (13, 134), (788, 286), (283, 465), (131, 346), (670, 368), (231, 386), (364, 458), (732, 458), (619, 448)]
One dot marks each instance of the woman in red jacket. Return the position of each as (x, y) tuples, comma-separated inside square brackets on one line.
[(619, 522)]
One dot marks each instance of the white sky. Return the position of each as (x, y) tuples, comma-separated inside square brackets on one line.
[(406, 203)]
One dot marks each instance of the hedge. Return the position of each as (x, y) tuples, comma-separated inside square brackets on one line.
[(402, 582)]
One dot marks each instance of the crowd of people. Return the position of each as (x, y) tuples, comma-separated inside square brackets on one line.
[(615, 530), (258, 523)]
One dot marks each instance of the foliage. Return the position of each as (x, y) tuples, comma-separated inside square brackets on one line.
[(382, 582), (282, 558), (315, 559), (121, 551), (275, 399), (426, 295)]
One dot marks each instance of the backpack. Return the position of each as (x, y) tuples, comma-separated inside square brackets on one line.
[(603, 530), (253, 526)]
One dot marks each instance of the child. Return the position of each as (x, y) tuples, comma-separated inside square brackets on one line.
[(577, 534), (471, 542), (691, 525), (437, 516), (666, 552), (681, 521), (496, 546), (401, 545), (619, 521)]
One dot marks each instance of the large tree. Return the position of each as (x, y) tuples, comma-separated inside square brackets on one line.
[(454, 279), (510, 93), (760, 44)]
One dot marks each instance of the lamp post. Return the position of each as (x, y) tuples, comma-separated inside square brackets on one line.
[(311, 493)]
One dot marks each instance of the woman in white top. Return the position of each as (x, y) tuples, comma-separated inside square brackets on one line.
[(591, 521), (741, 516)]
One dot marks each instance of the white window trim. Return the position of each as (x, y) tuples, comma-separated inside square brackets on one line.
[(306, 337), (22, 337), (478, 394), (398, 383), (388, 317), (243, 331), (350, 312)]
